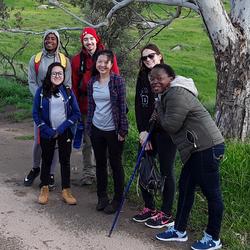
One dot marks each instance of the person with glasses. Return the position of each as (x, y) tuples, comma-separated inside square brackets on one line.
[(37, 70), (55, 111), (160, 144)]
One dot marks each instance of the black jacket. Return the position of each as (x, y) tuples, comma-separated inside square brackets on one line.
[(144, 101)]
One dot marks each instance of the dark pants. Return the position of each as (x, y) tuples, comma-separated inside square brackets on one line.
[(202, 169), (64, 148), (166, 150), (101, 142)]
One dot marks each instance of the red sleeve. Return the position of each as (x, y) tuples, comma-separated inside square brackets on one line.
[(115, 67), (75, 76)]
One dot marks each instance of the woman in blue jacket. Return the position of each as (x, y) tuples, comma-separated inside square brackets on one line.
[(55, 111)]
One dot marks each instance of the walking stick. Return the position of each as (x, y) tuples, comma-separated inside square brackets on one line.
[(131, 179)]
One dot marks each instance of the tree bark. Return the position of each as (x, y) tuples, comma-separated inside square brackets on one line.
[(230, 40)]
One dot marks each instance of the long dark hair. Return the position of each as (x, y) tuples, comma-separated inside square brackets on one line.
[(155, 49), (105, 52), (48, 88)]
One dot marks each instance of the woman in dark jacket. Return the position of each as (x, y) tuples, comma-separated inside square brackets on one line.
[(201, 147), (55, 110), (161, 143)]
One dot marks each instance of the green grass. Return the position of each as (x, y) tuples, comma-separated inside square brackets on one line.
[(16, 96), (25, 137), (195, 60)]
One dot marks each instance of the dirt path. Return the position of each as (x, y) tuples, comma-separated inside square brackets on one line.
[(24, 224)]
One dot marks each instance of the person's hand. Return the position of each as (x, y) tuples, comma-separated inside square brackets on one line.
[(149, 146), (120, 138), (143, 136)]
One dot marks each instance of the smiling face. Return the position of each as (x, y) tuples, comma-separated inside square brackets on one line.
[(150, 58), (103, 65), (159, 80), (57, 75), (51, 42), (89, 43)]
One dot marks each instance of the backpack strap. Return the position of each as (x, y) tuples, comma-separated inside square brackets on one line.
[(63, 59), (37, 61), (38, 57)]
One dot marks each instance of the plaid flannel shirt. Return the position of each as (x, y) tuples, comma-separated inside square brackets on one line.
[(117, 89)]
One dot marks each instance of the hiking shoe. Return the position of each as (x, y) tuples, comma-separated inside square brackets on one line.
[(44, 195), (112, 207), (144, 215), (172, 234), (102, 203), (160, 220), (52, 185), (29, 179), (68, 197), (206, 243)]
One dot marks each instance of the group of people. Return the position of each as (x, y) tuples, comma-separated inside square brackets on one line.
[(90, 89)]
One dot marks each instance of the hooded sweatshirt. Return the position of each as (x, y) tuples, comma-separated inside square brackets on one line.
[(35, 80), (186, 83)]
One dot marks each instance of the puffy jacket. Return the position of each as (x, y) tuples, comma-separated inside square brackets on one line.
[(186, 120), (41, 113)]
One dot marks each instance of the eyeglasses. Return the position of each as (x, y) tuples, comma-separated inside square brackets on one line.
[(150, 56), (58, 74)]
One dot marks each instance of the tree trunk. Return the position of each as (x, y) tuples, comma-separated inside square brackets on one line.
[(233, 91), (230, 38)]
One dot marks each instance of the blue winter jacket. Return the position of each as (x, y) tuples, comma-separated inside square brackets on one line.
[(41, 113)]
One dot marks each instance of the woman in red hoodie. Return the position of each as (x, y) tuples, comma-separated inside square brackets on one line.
[(82, 64)]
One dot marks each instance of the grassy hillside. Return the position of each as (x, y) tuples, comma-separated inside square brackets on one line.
[(194, 59)]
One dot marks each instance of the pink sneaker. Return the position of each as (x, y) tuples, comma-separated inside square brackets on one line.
[(160, 220), (144, 215)]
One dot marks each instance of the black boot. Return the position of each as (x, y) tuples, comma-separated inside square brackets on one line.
[(112, 207), (102, 203)]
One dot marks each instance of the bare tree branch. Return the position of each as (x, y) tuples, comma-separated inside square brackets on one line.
[(8, 61), (180, 3), (162, 23), (37, 32)]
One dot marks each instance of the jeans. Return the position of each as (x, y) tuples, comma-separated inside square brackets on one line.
[(202, 169), (101, 142), (166, 150), (88, 170), (64, 142)]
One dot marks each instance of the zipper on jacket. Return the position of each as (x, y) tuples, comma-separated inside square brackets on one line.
[(191, 138)]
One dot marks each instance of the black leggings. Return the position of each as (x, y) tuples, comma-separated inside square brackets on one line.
[(166, 150), (101, 142), (64, 147)]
